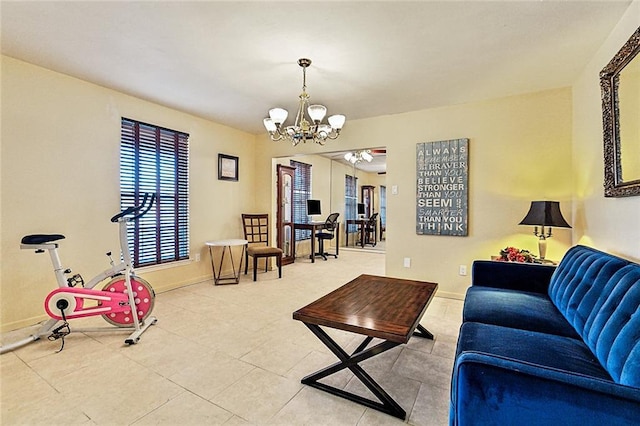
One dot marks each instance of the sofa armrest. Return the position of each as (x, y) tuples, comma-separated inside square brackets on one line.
[(487, 389), (512, 275)]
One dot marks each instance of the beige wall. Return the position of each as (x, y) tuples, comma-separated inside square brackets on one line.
[(60, 146), (520, 150), (610, 224), (60, 174)]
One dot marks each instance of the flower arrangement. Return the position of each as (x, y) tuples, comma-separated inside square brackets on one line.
[(512, 254)]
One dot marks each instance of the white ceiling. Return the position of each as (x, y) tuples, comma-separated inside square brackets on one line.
[(232, 61)]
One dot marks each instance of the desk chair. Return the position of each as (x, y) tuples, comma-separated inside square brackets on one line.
[(370, 230), (256, 232), (328, 233)]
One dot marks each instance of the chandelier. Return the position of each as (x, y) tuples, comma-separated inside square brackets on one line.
[(302, 130), (358, 156)]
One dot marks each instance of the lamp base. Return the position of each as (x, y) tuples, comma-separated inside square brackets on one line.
[(542, 248)]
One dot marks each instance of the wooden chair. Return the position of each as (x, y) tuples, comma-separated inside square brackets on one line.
[(328, 233), (371, 230), (256, 232)]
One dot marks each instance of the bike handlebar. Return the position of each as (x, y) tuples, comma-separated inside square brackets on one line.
[(136, 209)]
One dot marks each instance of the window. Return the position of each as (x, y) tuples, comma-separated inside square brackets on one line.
[(301, 193), (383, 206), (155, 160), (351, 200)]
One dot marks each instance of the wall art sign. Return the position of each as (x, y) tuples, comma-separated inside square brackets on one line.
[(442, 196)]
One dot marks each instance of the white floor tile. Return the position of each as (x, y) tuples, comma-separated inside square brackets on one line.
[(229, 355)]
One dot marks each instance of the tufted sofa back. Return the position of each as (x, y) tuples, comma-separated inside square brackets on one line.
[(599, 294)]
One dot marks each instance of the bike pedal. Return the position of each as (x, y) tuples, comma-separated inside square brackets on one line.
[(60, 332), (75, 280)]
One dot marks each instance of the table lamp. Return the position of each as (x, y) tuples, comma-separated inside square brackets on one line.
[(544, 213)]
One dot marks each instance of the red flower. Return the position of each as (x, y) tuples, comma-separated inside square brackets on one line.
[(512, 254)]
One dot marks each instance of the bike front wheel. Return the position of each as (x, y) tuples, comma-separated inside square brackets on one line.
[(144, 298)]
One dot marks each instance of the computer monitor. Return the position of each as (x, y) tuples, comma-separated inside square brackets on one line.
[(313, 207), (360, 208)]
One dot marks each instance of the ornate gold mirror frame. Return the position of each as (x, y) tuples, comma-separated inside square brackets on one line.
[(614, 184)]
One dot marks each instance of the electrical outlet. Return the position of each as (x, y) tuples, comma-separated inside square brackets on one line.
[(407, 262), (462, 270), (197, 257)]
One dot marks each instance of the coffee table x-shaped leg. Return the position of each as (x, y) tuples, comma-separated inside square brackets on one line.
[(386, 403)]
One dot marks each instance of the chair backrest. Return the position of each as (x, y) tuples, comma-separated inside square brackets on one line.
[(330, 223), (256, 228), (372, 219)]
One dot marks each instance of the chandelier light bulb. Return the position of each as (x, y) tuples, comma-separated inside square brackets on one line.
[(324, 130), (278, 115), (358, 156), (270, 125), (366, 156), (317, 112), (337, 121)]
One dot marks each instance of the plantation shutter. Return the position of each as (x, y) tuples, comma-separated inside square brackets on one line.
[(301, 193), (383, 205), (155, 160), (350, 200)]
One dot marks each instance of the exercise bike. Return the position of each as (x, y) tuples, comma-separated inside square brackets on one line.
[(76, 299)]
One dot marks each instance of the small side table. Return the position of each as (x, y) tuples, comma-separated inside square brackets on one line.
[(226, 246)]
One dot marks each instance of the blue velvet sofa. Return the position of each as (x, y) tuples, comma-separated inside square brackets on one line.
[(542, 345)]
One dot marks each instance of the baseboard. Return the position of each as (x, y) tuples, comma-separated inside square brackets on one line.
[(176, 285), (449, 295), (28, 322)]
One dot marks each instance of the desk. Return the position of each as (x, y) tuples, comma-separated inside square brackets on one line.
[(314, 227), (226, 246), (385, 308), (361, 226)]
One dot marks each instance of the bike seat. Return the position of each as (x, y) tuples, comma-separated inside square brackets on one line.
[(41, 238)]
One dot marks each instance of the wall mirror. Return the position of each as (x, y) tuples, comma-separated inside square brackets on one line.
[(620, 87)]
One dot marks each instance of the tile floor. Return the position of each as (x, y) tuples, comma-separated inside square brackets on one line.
[(228, 355)]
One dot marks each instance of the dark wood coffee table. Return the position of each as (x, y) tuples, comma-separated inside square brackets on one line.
[(377, 307)]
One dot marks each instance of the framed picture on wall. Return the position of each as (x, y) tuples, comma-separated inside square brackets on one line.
[(227, 167)]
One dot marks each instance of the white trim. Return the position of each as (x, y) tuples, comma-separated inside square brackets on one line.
[(161, 266), (449, 295)]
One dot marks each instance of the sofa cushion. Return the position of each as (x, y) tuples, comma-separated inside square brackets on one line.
[(577, 286), (614, 333), (531, 277), (546, 350), (515, 309), (599, 295)]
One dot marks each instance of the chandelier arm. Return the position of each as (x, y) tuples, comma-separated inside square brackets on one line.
[(333, 135), (275, 139), (318, 140)]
